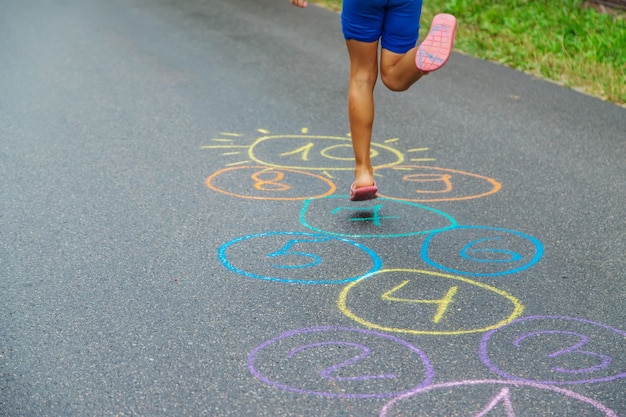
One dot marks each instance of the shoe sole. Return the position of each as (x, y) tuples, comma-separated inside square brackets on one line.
[(436, 49)]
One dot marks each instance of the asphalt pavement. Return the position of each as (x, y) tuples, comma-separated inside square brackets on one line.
[(176, 237)]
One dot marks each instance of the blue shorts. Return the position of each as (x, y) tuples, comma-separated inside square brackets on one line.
[(395, 22)]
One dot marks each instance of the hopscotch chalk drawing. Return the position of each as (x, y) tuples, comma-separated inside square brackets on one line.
[(266, 183), (537, 399), (303, 151), (294, 258), (383, 218), (534, 355), (424, 184), (343, 363), (422, 303), (556, 350), (481, 251), (261, 172)]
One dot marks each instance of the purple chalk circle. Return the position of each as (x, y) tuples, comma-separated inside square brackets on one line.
[(328, 372), (555, 350), (340, 362), (480, 398)]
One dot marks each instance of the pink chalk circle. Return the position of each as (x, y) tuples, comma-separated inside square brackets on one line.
[(501, 400)]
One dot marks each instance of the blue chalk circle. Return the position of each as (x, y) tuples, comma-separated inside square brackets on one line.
[(481, 251), (298, 258)]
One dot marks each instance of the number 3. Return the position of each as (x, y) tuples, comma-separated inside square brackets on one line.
[(574, 349)]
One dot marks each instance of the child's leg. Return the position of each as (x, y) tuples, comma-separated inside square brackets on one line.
[(399, 36), (362, 25), (363, 75), (398, 71)]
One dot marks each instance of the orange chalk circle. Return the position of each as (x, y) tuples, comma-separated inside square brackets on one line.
[(266, 183), (275, 183), (426, 184)]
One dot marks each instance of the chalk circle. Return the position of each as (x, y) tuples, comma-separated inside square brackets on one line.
[(508, 396), (481, 251), (239, 182), (340, 362), (298, 258), (426, 303), (309, 152), (570, 350), (426, 184), (380, 218)]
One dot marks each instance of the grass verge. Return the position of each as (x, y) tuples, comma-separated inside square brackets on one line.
[(559, 40)]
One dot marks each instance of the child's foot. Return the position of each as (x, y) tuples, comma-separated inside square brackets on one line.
[(434, 52), (367, 192), (364, 187)]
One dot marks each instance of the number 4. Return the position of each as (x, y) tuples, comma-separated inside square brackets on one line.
[(442, 303)]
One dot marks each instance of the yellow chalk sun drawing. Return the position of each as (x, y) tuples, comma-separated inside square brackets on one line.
[(304, 151)]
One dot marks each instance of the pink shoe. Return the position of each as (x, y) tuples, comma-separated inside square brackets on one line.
[(434, 52), (363, 193)]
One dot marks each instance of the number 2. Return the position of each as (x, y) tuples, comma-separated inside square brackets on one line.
[(327, 373)]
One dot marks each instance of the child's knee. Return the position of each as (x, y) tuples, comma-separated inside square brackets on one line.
[(365, 79), (393, 84)]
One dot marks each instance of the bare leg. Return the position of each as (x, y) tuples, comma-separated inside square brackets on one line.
[(398, 71), (363, 75)]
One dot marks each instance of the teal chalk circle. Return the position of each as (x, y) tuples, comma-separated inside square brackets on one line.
[(379, 218)]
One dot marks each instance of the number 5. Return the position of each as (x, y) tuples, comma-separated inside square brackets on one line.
[(286, 251)]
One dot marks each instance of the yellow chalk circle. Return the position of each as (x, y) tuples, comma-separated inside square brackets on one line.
[(425, 302), (319, 153)]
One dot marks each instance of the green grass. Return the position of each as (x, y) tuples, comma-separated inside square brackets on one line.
[(558, 40)]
